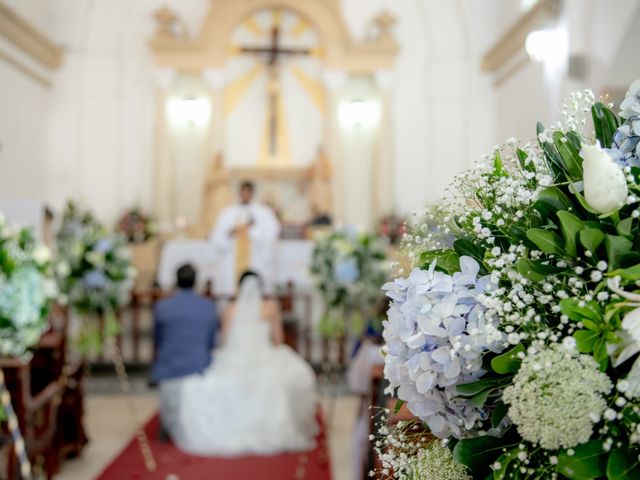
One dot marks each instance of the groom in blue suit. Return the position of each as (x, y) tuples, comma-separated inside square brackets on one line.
[(184, 335), (184, 331)]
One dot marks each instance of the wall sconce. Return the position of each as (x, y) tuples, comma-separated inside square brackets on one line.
[(548, 46), (359, 113), (190, 111)]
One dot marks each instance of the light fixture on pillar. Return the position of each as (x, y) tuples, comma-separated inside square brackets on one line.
[(546, 45), (359, 112), (190, 111)]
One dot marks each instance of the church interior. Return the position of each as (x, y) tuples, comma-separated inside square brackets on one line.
[(146, 118)]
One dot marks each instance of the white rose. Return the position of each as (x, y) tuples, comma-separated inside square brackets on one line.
[(605, 186), (41, 254)]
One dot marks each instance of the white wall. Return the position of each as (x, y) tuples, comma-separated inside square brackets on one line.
[(24, 106), (441, 104), (92, 135), (608, 37)]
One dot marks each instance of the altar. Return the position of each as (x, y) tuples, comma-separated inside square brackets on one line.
[(273, 94), (292, 263)]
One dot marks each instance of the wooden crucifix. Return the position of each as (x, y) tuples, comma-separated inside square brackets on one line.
[(273, 53)]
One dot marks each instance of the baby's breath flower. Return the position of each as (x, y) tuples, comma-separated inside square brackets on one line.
[(436, 463)]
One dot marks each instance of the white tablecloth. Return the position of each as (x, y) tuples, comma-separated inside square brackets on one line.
[(293, 259)]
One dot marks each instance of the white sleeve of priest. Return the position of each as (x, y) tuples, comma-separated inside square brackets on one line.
[(266, 227), (220, 235)]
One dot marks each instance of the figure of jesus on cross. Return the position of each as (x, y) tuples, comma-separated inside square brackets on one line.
[(273, 54)]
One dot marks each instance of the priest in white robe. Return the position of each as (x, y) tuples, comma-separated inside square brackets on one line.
[(245, 237)]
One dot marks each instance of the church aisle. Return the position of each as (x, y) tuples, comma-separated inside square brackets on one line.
[(110, 429)]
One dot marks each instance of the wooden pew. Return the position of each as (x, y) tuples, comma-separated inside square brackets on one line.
[(47, 397), (36, 400)]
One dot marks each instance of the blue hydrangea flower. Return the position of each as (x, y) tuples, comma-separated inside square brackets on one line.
[(626, 140), (346, 271), (103, 245), (436, 334), (95, 279)]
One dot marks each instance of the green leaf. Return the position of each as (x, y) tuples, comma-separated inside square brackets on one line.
[(625, 226), (551, 200), (570, 156), (522, 159), (398, 406), (505, 459), (586, 340), (498, 166), (623, 465), (591, 238), (587, 462), (498, 414), (545, 240), (605, 123), (479, 399), (508, 362), (616, 247), (446, 260), (575, 310), (526, 269), (473, 388), (629, 259), (575, 139), (600, 352), (571, 226), (480, 452), (631, 274), (554, 160)]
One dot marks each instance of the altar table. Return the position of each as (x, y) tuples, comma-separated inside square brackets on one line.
[(292, 262)]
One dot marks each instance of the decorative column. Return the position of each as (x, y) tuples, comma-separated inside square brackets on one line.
[(334, 80), (214, 78), (382, 192), (164, 196)]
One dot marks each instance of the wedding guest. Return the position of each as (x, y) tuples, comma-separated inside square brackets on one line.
[(184, 336)]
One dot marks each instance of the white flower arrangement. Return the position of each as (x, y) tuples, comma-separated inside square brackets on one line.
[(26, 290), (348, 268), (94, 272), (517, 369)]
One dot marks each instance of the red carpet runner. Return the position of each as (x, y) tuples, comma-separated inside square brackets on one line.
[(176, 465)]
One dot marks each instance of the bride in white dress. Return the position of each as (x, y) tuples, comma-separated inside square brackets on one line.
[(257, 397)]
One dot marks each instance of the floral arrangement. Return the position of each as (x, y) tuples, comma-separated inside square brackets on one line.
[(515, 337), (348, 268), (137, 226), (93, 269), (27, 290)]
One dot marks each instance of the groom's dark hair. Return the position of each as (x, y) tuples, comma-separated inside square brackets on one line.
[(186, 276), (251, 273)]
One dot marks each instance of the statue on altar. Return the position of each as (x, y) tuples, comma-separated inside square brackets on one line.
[(217, 192), (320, 187)]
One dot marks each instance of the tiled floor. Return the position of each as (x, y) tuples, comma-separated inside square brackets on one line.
[(110, 427)]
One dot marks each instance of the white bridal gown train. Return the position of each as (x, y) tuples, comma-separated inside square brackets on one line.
[(254, 398)]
